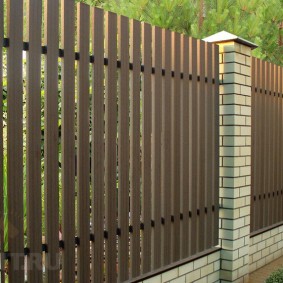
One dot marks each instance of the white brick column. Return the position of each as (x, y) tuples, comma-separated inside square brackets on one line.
[(235, 155)]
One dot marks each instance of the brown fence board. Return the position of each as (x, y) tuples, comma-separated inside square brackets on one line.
[(280, 192), (110, 142), (268, 144), (176, 120), (135, 166), (146, 148), (259, 153), (185, 153), (83, 144), (255, 134), (2, 273), (33, 156), (166, 148), (272, 143), (266, 139), (281, 140), (193, 145), (215, 166), (263, 169), (51, 193), (276, 147), (136, 152), (15, 134), (277, 151), (97, 152), (123, 149), (201, 143), (281, 129), (209, 161), (156, 149), (68, 141)]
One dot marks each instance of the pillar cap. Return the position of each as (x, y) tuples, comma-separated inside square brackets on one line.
[(224, 36)]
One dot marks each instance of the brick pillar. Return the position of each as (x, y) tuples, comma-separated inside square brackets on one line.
[(235, 155)]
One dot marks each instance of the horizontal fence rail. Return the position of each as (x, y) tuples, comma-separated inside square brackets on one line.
[(110, 145), (267, 139)]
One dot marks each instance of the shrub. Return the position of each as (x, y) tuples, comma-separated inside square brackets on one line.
[(276, 277)]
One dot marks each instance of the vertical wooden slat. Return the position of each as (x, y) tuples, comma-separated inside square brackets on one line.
[(68, 141), (214, 198), (216, 143), (110, 151), (280, 196), (51, 193), (254, 142), (83, 144), (15, 140), (201, 143), (276, 148), (209, 161), (193, 146), (146, 148), (263, 127), (271, 145), (33, 177), (279, 124), (166, 148), (281, 141), (156, 149), (175, 139), (267, 144), (97, 152), (266, 153), (135, 167), (185, 154), (259, 141), (123, 149), (2, 273)]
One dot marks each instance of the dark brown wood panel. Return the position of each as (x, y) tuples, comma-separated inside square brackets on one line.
[(51, 154), (110, 146), (166, 148), (176, 144), (33, 139), (156, 148), (185, 140), (146, 148), (97, 150), (193, 147), (135, 161), (83, 151), (266, 206), (123, 149), (68, 140), (209, 161), (15, 134)]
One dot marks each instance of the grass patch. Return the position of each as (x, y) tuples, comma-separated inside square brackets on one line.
[(275, 277)]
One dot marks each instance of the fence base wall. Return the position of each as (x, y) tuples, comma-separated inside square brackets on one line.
[(266, 247), (204, 269)]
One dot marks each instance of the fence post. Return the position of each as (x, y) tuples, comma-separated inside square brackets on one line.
[(235, 154)]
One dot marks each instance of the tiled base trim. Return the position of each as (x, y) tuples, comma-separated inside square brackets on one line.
[(203, 270), (266, 247)]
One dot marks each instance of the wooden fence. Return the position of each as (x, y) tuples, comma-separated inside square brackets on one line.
[(127, 180), (267, 140)]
